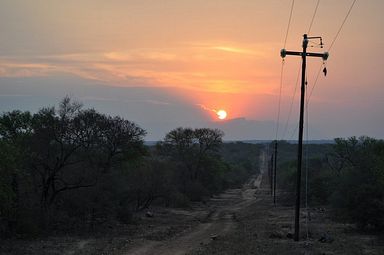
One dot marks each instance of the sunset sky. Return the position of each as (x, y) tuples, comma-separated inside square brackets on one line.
[(169, 63)]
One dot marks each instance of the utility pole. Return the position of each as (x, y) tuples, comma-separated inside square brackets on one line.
[(303, 55), (270, 167), (274, 175)]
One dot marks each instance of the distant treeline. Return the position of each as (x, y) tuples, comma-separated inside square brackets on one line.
[(70, 168), (347, 176)]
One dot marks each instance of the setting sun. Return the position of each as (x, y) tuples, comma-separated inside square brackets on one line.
[(221, 114)]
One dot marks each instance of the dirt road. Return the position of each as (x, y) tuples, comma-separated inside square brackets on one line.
[(220, 220)]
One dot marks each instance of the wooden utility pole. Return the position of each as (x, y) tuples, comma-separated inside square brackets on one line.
[(303, 55), (274, 174), (270, 167)]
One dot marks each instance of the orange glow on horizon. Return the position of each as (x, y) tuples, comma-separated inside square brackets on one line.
[(238, 105)]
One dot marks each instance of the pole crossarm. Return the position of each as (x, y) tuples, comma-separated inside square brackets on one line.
[(284, 53)]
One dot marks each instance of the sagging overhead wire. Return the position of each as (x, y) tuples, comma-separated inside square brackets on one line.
[(342, 24), (298, 75), (322, 66), (308, 96), (315, 82), (282, 70), (279, 104), (291, 105), (330, 47), (313, 17), (289, 23)]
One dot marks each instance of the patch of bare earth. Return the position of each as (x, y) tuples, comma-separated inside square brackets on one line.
[(212, 224), (220, 220)]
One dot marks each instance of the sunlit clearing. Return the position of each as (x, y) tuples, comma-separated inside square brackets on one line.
[(221, 114)]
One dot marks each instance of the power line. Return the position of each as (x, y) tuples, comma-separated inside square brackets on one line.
[(342, 24), (279, 104), (291, 106), (315, 82), (289, 23), (308, 96), (282, 70), (333, 42), (320, 68), (313, 17), (297, 79)]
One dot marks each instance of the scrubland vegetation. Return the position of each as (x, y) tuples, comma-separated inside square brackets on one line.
[(69, 169), (347, 176)]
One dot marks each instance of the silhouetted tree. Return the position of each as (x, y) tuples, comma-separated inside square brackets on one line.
[(15, 130), (58, 150), (192, 149), (359, 194)]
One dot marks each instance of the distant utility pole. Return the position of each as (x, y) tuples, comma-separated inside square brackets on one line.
[(270, 167), (274, 175), (303, 55), (271, 173)]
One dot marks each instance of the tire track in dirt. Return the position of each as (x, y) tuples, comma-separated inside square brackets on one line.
[(218, 222), (77, 247)]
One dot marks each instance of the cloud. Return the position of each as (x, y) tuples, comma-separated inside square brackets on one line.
[(15, 95), (195, 66), (155, 102), (19, 69), (96, 98)]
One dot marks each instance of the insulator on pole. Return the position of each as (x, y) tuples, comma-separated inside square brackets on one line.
[(283, 53)]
